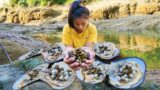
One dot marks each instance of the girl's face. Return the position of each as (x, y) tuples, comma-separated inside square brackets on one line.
[(80, 24)]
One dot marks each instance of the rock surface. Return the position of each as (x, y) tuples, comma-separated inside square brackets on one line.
[(16, 33), (27, 42), (131, 23), (10, 73), (104, 9), (24, 16), (14, 53), (2, 18), (107, 9)]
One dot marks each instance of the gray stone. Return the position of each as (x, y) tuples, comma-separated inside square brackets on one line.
[(9, 74)]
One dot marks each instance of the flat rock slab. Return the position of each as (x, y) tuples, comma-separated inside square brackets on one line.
[(154, 75), (10, 73)]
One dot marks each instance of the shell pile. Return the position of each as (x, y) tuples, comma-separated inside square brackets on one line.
[(54, 53), (105, 50), (95, 73), (126, 73), (79, 55), (33, 74), (60, 74)]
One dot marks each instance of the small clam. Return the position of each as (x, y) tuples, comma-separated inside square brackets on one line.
[(131, 75), (53, 76), (118, 78), (54, 71)]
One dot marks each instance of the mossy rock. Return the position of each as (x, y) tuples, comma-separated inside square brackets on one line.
[(28, 64), (14, 50)]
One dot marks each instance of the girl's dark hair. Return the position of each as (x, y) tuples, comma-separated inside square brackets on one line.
[(76, 10)]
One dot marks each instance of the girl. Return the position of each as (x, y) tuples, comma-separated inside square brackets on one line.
[(78, 33)]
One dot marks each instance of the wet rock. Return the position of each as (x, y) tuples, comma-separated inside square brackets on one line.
[(147, 8), (153, 75), (124, 10), (12, 17), (28, 64), (27, 42), (118, 9), (131, 23), (24, 16), (9, 74), (157, 13), (48, 13), (2, 19), (14, 53), (133, 8)]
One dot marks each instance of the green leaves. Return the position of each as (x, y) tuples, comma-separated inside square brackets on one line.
[(22, 3), (32, 3), (13, 2)]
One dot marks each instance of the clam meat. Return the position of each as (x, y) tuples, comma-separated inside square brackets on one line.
[(95, 73), (79, 55), (125, 73), (106, 50), (54, 54)]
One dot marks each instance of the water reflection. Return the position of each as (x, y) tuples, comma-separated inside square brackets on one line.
[(123, 40)]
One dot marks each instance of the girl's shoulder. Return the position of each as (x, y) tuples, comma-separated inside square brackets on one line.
[(66, 28)]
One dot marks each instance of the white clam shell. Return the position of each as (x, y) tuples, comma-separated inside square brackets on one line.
[(25, 79), (48, 56), (82, 75), (107, 55), (67, 80), (137, 76)]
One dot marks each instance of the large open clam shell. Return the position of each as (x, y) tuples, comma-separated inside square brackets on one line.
[(30, 54), (49, 55), (92, 78), (138, 78), (109, 51), (30, 77), (59, 84)]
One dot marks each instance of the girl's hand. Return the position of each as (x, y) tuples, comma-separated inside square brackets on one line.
[(70, 61), (91, 57)]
